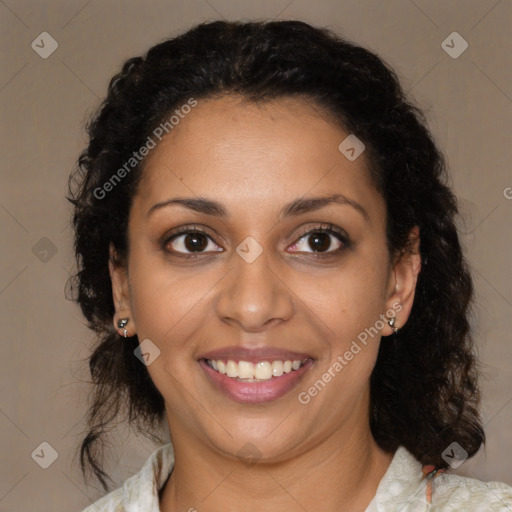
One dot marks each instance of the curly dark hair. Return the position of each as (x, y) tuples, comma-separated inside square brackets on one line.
[(423, 388)]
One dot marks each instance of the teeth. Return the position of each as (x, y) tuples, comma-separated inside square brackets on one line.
[(231, 369), (245, 370), (264, 370), (277, 368)]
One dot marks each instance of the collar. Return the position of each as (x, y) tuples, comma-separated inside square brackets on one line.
[(401, 485), (140, 492)]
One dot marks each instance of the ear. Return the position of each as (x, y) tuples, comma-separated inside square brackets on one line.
[(402, 285), (121, 294)]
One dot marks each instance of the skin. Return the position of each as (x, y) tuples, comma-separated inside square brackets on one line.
[(254, 159)]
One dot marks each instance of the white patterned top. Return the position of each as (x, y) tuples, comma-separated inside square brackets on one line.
[(403, 488)]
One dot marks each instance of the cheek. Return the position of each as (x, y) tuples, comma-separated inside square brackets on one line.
[(347, 301), (348, 306), (170, 311), (168, 306)]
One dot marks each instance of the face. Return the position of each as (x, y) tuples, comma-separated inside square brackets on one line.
[(258, 268)]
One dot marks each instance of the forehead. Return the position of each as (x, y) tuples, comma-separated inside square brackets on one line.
[(262, 155)]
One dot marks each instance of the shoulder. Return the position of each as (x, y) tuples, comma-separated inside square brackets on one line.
[(409, 487), (112, 502), (140, 491), (454, 492)]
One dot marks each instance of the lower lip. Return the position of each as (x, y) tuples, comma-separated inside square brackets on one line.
[(255, 392)]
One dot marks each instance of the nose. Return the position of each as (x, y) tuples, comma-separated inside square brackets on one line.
[(254, 296)]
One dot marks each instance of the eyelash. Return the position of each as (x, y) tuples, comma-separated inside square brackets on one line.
[(320, 228)]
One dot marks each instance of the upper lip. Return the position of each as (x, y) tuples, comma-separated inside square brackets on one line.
[(254, 354)]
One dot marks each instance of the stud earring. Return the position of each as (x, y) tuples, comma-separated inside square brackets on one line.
[(392, 322), (122, 324)]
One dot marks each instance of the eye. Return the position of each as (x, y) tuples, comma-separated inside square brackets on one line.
[(320, 241), (190, 241)]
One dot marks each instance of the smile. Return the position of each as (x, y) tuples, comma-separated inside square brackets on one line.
[(254, 376), (246, 371)]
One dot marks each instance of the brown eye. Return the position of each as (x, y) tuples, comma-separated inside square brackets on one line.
[(321, 242), (195, 242), (190, 242)]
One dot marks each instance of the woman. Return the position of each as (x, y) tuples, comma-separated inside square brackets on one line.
[(267, 251)]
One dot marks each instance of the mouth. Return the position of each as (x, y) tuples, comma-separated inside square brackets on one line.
[(262, 371), (254, 376)]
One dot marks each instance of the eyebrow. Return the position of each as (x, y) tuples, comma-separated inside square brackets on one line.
[(297, 207)]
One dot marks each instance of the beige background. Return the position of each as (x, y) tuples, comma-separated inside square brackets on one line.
[(44, 103)]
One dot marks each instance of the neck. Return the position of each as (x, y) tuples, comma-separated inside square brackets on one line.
[(339, 473)]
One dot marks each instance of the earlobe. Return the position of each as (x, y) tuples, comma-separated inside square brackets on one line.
[(406, 271), (123, 318)]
